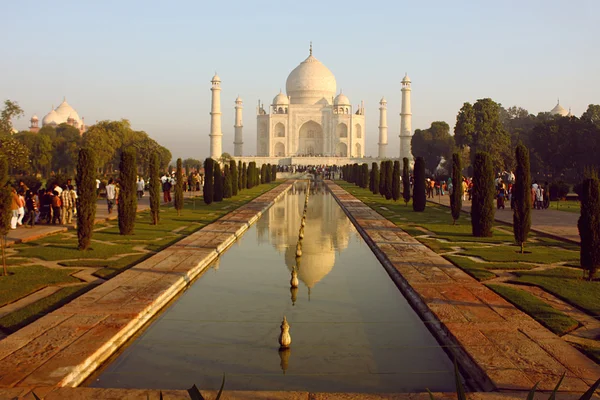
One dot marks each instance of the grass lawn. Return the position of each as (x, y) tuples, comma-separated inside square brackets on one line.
[(567, 284), (533, 254), (569, 206), (108, 268), (25, 280), (475, 269), (553, 319)]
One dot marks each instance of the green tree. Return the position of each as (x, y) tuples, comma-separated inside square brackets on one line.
[(374, 183), (209, 189), (465, 126), (227, 183), (11, 110), (364, 175), (154, 187), (405, 180), (65, 147), (592, 114), (240, 176), (433, 144), (521, 194), (244, 176), (263, 173), (234, 177), (5, 212), (218, 179), (389, 177), (396, 181), (589, 226), (40, 151), (482, 204), (127, 204), (86, 192), (16, 154), (457, 188), (268, 174), (273, 173), (179, 182), (382, 178), (419, 199)]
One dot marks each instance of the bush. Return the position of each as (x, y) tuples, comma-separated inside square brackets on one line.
[(32, 182), (589, 226), (209, 185), (364, 175), (179, 182), (240, 177), (59, 179), (396, 181), (5, 212), (457, 188), (389, 176), (127, 200), (86, 192), (482, 204), (154, 187), (374, 183), (218, 182), (521, 196), (559, 190), (405, 180), (273, 173), (234, 177), (263, 174), (419, 199), (227, 189), (244, 176), (382, 178)]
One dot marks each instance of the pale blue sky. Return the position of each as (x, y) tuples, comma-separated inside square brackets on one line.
[(151, 62)]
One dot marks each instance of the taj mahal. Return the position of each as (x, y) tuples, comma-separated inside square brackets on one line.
[(310, 124)]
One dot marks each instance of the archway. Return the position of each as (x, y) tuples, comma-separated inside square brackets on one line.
[(279, 150), (358, 150), (358, 130), (342, 150), (342, 130), (310, 139), (279, 130)]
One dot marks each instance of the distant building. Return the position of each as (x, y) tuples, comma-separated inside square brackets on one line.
[(63, 114), (560, 110)]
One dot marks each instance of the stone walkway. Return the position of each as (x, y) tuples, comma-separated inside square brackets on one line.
[(499, 346), (66, 346), (560, 224)]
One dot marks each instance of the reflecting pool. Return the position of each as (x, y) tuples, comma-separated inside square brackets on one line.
[(351, 328)]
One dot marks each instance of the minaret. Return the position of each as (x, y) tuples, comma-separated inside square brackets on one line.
[(238, 143), (405, 120), (382, 128), (216, 136)]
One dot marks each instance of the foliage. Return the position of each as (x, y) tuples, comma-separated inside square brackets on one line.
[(396, 181), (179, 182), (419, 199), (273, 173), (405, 180), (374, 181), (244, 176), (592, 114), (558, 190), (382, 178), (482, 198), (16, 154), (127, 200), (521, 195), (209, 189), (154, 187), (589, 226), (86, 192), (268, 174), (5, 204), (364, 175), (227, 189), (457, 187), (389, 177), (11, 110), (218, 182), (263, 173), (433, 144), (65, 147), (240, 177), (40, 150), (234, 177)]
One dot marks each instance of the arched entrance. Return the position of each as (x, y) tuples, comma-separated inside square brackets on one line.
[(342, 130), (358, 150), (310, 139), (279, 150), (342, 150)]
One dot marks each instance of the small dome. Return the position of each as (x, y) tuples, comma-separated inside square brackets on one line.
[(406, 79), (341, 99), (383, 101), (52, 118), (35, 118), (559, 110), (215, 78), (239, 99), (281, 99)]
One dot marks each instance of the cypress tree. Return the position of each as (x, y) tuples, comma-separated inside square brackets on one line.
[(457, 189), (227, 183), (521, 194), (273, 173), (371, 178), (209, 183), (382, 178), (5, 205), (179, 182), (405, 180), (389, 174), (375, 184), (154, 187), (127, 206), (482, 205), (364, 175), (419, 199), (218, 182), (396, 181), (240, 177), (86, 192), (589, 226), (244, 176), (263, 174), (234, 177)]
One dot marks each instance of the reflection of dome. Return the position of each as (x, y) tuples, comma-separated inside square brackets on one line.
[(315, 263), (341, 100), (281, 99), (310, 82), (52, 118), (559, 110)]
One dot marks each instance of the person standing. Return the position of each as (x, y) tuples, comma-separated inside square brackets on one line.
[(56, 205), (111, 194), (14, 208), (21, 209), (31, 206), (167, 190), (140, 185), (66, 199)]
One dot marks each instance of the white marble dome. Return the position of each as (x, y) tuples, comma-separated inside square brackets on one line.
[(310, 82), (65, 111), (281, 99), (559, 110), (341, 100), (52, 118)]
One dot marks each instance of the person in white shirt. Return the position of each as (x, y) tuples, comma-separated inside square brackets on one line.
[(140, 185), (111, 194)]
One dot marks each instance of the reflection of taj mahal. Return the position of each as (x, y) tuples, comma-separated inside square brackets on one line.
[(310, 120)]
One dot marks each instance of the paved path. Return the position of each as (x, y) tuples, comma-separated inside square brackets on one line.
[(560, 224), (500, 347)]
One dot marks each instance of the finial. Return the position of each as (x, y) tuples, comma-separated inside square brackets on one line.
[(310, 48), (64, 98), (558, 100)]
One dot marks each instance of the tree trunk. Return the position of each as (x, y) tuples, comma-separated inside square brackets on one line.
[(522, 247)]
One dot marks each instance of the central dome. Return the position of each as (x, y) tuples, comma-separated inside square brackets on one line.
[(310, 83)]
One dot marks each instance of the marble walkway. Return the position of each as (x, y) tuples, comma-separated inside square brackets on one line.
[(498, 345)]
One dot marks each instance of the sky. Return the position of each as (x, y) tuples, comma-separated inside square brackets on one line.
[(151, 62)]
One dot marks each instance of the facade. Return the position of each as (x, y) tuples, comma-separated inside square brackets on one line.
[(64, 113)]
